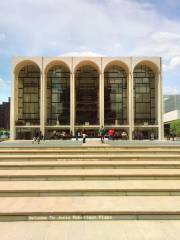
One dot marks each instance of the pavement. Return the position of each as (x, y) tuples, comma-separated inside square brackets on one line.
[(89, 230), (89, 142)]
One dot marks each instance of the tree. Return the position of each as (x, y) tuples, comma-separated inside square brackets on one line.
[(175, 127)]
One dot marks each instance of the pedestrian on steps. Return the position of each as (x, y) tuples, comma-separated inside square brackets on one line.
[(102, 133)]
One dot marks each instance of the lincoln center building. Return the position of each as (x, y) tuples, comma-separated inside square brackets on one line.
[(62, 95)]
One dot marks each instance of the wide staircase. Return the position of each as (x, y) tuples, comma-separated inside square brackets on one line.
[(105, 186)]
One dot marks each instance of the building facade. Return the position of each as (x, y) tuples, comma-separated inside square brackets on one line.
[(5, 115), (171, 111), (68, 94)]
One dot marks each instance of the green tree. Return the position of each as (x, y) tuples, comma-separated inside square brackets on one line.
[(175, 127)]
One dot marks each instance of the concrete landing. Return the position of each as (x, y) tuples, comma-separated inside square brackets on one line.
[(89, 230), (90, 208)]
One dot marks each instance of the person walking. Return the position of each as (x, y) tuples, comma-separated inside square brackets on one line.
[(36, 138), (111, 133), (102, 133), (84, 135), (76, 135)]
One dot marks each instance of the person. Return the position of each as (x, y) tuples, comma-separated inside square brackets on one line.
[(84, 135), (43, 138), (111, 134), (54, 134), (173, 135), (102, 133), (124, 135), (76, 135), (152, 137), (36, 138)]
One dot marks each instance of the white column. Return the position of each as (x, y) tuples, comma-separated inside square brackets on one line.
[(130, 106), (160, 109), (72, 102), (12, 108), (101, 99), (42, 104)]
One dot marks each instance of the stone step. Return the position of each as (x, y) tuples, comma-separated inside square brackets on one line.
[(89, 174), (115, 230), (90, 151), (45, 157), (68, 146), (61, 164), (90, 188), (90, 208)]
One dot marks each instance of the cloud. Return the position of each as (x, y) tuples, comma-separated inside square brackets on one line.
[(2, 36), (2, 83), (89, 27), (82, 54), (174, 63), (113, 27), (164, 44), (165, 36), (172, 90), (109, 27)]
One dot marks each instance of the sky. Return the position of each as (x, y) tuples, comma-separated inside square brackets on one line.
[(93, 28)]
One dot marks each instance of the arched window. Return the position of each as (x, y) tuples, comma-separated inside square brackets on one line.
[(29, 95), (87, 95), (58, 96), (144, 95), (115, 95)]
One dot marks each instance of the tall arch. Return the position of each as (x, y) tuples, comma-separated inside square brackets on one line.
[(145, 92), (86, 94), (115, 94), (58, 94), (28, 84)]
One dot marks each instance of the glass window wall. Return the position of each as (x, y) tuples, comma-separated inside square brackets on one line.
[(115, 96), (58, 96), (87, 96), (144, 95), (29, 96)]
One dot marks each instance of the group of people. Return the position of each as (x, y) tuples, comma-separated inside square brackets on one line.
[(84, 134), (38, 136), (78, 134), (138, 135), (61, 135), (111, 134)]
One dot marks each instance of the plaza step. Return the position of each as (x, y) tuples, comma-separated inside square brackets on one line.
[(89, 174), (90, 183), (81, 164), (90, 188), (87, 150), (129, 156), (90, 208)]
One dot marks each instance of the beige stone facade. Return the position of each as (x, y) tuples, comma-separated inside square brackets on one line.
[(142, 76)]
